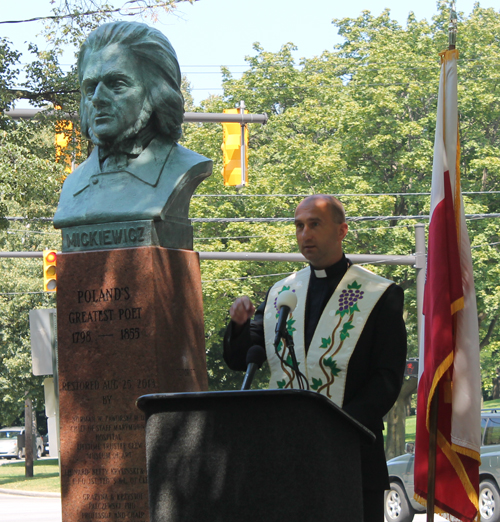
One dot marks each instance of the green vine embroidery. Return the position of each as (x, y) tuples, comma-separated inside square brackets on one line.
[(348, 306), (316, 383)]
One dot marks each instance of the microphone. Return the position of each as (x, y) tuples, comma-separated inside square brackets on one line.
[(255, 359), (286, 303)]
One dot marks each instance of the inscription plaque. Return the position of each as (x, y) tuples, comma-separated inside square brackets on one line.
[(120, 337)]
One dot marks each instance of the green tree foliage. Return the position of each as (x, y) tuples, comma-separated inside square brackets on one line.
[(358, 119), (29, 188), (8, 74)]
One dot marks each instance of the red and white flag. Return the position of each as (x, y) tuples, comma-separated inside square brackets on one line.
[(449, 353)]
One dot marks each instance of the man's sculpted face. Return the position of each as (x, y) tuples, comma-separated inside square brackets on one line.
[(114, 95), (318, 236)]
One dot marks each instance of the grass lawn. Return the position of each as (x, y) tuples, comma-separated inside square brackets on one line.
[(45, 476), (491, 404), (411, 422)]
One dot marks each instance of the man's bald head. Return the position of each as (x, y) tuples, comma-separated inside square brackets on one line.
[(320, 228), (333, 203)]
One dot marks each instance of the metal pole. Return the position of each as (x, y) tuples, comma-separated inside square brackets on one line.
[(55, 373), (28, 437), (189, 117), (216, 117), (431, 466), (21, 254), (242, 148), (420, 263), (452, 27), (377, 259)]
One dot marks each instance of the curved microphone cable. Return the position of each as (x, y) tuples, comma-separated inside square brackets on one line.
[(286, 303)]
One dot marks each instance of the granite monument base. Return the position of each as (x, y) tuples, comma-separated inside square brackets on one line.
[(130, 322)]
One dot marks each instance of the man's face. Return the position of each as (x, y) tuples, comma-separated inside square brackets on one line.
[(318, 236), (113, 93)]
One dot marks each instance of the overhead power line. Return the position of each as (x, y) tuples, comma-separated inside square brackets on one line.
[(366, 194), (348, 218), (291, 219), (244, 277), (280, 234), (89, 13)]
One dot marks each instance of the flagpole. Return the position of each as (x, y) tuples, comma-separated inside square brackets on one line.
[(431, 477), (434, 407), (452, 27)]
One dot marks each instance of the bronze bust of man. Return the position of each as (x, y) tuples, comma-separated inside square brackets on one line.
[(132, 109)]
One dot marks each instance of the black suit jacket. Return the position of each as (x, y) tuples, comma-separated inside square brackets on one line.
[(374, 375)]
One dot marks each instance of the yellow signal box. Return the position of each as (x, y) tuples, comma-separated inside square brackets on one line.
[(49, 270), (68, 143), (235, 151), (63, 131)]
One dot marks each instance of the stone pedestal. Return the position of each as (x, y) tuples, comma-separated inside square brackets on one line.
[(130, 323)]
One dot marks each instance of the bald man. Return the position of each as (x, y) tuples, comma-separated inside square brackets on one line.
[(358, 313)]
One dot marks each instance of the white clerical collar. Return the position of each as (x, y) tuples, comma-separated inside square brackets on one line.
[(338, 269)]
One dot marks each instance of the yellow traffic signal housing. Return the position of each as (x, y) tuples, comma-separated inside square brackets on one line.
[(49, 270), (232, 151), (63, 130), (68, 143)]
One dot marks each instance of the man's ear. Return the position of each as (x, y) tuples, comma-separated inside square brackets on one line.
[(343, 229)]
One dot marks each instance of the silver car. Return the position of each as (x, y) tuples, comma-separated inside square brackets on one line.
[(400, 505), (8, 443)]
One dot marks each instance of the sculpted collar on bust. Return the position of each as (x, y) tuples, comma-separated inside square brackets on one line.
[(146, 167)]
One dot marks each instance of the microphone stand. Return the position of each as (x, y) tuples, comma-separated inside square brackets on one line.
[(288, 342)]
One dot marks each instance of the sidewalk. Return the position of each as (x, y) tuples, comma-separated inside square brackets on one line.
[(16, 508), (29, 493)]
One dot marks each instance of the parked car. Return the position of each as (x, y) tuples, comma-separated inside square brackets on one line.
[(400, 506), (8, 443)]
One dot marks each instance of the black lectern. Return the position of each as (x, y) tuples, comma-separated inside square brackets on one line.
[(252, 456)]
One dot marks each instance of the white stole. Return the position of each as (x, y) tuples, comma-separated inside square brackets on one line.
[(336, 334)]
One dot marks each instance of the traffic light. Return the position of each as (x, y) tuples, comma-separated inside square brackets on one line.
[(49, 270), (63, 132), (67, 142), (411, 368), (234, 134)]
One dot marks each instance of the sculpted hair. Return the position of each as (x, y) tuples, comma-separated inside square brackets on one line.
[(157, 62)]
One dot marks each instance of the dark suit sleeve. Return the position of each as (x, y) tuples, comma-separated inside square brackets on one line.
[(237, 346), (376, 368)]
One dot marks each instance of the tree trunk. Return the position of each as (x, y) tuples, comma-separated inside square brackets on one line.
[(395, 441), (495, 393)]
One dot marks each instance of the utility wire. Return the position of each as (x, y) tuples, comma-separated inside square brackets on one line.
[(52, 232), (88, 13), (351, 231), (356, 85), (348, 218), (290, 219), (21, 293), (486, 245), (244, 277), (336, 195)]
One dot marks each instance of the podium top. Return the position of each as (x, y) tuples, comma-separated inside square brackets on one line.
[(171, 402)]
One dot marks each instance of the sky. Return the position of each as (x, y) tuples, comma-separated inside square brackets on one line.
[(212, 33)]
